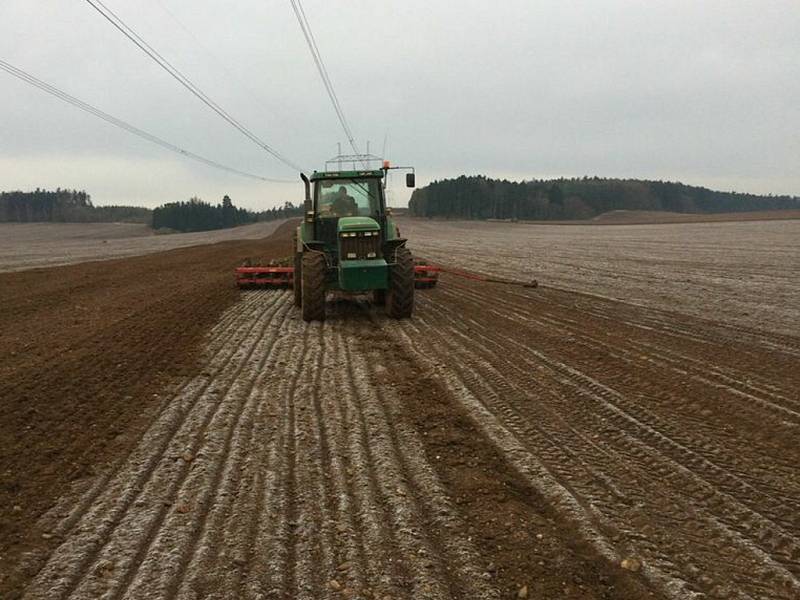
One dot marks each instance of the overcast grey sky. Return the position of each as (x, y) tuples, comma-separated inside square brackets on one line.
[(698, 91)]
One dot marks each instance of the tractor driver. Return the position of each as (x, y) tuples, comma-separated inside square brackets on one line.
[(344, 205)]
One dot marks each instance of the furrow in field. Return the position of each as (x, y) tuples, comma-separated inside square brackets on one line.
[(206, 492), (290, 466), (630, 456), (213, 568), (367, 535), (698, 330), (282, 469), (345, 534), (269, 566), (63, 517), (641, 362), (445, 550), (462, 380), (747, 370), (250, 546), (731, 491), (659, 388), (103, 546), (120, 374), (312, 556), (743, 366)]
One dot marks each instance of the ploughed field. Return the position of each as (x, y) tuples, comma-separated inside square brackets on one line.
[(166, 436), (744, 272), (32, 245)]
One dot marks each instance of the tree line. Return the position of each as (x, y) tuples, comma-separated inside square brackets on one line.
[(479, 197), (197, 215), (64, 206), (74, 206)]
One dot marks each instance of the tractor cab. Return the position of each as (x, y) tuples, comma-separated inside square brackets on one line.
[(349, 242), (346, 205)]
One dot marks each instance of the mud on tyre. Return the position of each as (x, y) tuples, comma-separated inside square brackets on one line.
[(400, 295), (312, 275)]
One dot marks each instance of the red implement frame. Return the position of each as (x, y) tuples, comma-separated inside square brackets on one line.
[(269, 276), (429, 273), (426, 276)]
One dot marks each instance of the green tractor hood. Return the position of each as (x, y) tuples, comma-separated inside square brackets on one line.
[(357, 224), (362, 273)]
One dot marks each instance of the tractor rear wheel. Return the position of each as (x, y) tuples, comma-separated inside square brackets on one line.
[(400, 295), (297, 284), (312, 276)]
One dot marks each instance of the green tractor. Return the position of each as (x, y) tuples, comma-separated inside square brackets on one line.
[(348, 241)]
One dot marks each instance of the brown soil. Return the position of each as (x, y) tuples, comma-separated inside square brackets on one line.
[(521, 539), (503, 442), (85, 353), (665, 437)]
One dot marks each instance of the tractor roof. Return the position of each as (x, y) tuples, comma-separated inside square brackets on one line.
[(317, 175)]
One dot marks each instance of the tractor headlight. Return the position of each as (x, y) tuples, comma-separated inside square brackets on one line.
[(351, 255), (371, 255)]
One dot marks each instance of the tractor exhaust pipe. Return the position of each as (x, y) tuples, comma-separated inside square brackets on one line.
[(307, 184)]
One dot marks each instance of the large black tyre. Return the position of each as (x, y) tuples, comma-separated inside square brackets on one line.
[(313, 281), (400, 295), (297, 284)]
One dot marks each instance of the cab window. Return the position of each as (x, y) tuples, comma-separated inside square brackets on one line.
[(348, 197)]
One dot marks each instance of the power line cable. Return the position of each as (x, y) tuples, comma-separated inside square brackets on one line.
[(232, 76), (54, 91), (324, 73), (119, 24), (311, 42)]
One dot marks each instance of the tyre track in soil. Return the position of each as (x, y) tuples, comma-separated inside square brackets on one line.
[(164, 524), (631, 436), (289, 468), (149, 478), (653, 381), (499, 438), (86, 352)]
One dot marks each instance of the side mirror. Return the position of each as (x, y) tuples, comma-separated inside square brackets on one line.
[(410, 180)]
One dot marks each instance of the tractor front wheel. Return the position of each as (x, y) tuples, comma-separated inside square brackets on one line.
[(400, 295), (312, 275)]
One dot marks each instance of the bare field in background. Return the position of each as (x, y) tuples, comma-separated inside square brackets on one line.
[(744, 273), (642, 217), (31, 245)]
